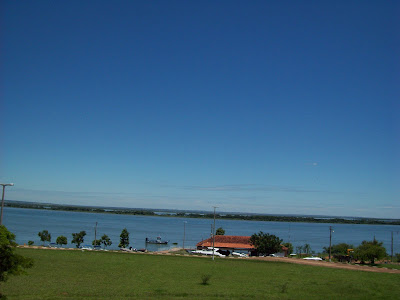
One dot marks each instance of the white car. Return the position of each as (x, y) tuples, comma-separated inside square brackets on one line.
[(239, 254)]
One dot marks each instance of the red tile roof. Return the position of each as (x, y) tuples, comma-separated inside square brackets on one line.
[(228, 241)]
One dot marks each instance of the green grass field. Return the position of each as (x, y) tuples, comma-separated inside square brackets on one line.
[(107, 275), (389, 266)]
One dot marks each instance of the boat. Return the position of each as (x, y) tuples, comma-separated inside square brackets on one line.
[(158, 241), (86, 247), (208, 252), (312, 258)]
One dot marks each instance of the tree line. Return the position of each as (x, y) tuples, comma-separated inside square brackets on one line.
[(145, 212), (367, 251), (78, 239)]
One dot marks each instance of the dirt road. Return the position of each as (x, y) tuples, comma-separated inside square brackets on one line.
[(328, 264)]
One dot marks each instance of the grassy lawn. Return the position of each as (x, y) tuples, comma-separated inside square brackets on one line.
[(389, 266), (105, 275)]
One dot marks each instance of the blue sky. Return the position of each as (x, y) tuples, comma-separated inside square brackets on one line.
[(280, 107)]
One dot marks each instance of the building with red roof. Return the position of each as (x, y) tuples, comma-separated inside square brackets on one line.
[(232, 243)]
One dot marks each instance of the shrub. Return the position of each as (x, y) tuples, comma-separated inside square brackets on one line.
[(370, 251), (284, 287), (11, 263), (205, 278)]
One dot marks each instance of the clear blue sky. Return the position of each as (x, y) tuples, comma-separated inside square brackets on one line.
[(281, 107)]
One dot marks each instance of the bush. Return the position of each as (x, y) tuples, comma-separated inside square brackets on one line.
[(339, 249), (370, 251), (10, 262), (205, 278), (284, 287)]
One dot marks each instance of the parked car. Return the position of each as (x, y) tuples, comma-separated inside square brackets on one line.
[(239, 254)]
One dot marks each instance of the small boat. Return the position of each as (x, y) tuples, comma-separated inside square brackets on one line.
[(312, 258), (156, 241), (209, 252)]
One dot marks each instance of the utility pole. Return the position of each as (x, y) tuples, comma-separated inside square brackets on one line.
[(392, 248), (184, 233), (2, 200), (95, 233), (330, 242), (214, 233)]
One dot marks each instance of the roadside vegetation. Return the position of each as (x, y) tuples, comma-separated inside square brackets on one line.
[(71, 274), (368, 252)]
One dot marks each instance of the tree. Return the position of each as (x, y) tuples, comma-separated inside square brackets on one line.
[(11, 263), (266, 243), (339, 249), (124, 239), (370, 251), (220, 231), (96, 242), (105, 240), (30, 243), (289, 246), (78, 238), (61, 240), (307, 248), (45, 236)]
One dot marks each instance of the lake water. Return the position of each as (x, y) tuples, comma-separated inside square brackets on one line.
[(26, 223)]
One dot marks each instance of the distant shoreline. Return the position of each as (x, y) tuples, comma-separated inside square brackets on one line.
[(183, 214)]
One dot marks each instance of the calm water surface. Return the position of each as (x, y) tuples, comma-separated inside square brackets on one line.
[(26, 223)]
